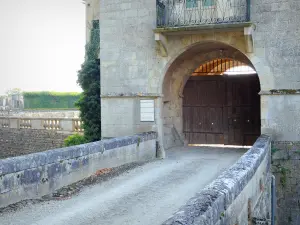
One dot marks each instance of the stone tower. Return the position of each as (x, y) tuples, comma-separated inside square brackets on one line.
[(150, 50)]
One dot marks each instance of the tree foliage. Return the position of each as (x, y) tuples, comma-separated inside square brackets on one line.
[(75, 139), (89, 80)]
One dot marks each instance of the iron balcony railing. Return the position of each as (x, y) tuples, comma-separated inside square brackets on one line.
[(182, 13)]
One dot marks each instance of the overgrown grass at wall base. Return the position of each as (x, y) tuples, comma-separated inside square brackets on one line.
[(50, 100)]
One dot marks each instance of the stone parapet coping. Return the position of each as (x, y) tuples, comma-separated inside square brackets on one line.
[(37, 118), (281, 92), (131, 95), (16, 164), (208, 205)]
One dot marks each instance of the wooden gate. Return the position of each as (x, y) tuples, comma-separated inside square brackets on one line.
[(221, 109)]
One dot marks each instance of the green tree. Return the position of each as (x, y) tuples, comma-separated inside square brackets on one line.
[(89, 80), (75, 139)]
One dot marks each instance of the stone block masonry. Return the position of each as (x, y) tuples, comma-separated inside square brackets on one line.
[(238, 196), (133, 58), (15, 142), (286, 168), (28, 132), (34, 175)]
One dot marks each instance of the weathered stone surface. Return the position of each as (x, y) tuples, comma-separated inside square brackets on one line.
[(12, 165), (37, 174), (286, 167), (215, 204), (15, 142), (134, 60)]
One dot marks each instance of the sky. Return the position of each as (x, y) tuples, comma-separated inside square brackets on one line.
[(41, 44)]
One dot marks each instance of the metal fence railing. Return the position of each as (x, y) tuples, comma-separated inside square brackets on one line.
[(181, 13)]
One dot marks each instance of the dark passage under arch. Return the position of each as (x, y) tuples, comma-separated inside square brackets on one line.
[(222, 109)]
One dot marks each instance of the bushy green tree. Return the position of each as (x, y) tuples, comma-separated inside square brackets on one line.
[(89, 80), (75, 139)]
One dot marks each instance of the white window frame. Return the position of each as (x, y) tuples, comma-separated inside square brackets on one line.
[(147, 110)]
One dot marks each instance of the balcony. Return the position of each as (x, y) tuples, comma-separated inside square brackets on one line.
[(188, 13), (186, 17)]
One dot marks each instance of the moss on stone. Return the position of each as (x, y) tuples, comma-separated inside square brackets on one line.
[(203, 27), (285, 91)]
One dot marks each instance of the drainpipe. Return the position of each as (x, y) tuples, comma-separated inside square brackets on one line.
[(160, 151), (273, 200), (248, 16)]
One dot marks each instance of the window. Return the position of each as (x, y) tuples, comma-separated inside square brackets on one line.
[(191, 3), (208, 2), (147, 110)]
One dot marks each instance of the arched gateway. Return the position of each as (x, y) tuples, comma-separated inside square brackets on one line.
[(211, 96)]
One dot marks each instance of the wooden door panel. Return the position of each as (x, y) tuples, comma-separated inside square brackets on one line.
[(243, 103), (187, 119), (214, 139), (214, 119), (199, 119), (251, 120), (249, 139), (189, 90), (221, 110), (198, 138), (234, 125)]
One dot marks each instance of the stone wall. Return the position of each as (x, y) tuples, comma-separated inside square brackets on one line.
[(125, 63), (280, 115), (286, 168), (15, 142), (138, 68), (131, 65), (25, 132), (236, 195), (127, 123), (38, 174), (140, 71), (277, 33)]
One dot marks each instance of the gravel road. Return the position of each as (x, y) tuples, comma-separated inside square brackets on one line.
[(145, 195)]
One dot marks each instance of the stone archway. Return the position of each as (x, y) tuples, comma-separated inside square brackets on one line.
[(177, 74)]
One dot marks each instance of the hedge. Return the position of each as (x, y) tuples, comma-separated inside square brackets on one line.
[(50, 100)]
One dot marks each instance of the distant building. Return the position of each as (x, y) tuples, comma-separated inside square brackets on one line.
[(11, 102)]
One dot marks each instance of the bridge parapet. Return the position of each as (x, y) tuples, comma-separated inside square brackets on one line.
[(240, 195), (38, 174)]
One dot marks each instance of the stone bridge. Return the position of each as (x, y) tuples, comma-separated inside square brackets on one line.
[(192, 185)]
